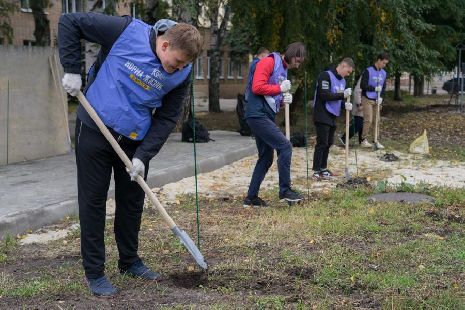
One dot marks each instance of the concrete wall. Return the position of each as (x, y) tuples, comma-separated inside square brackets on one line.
[(33, 113)]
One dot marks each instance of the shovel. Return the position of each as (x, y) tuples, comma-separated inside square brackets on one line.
[(183, 237), (377, 122), (346, 170), (288, 129)]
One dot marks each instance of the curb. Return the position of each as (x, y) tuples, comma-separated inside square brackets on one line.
[(32, 219)]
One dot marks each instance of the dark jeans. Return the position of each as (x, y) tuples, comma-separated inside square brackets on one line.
[(268, 138), (95, 160), (355, 127), (324, 140)]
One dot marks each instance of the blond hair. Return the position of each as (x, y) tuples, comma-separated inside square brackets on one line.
[(186, 38)]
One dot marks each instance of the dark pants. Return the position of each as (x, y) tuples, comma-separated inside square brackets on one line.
[(268, 138), (95, 160), (355, 127), (324, 140)]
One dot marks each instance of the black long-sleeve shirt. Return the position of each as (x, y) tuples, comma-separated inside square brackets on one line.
[(364, 83), (105, 30), (324, 94)]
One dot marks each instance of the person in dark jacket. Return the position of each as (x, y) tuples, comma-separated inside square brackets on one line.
[(139, 68), (373, 83), (330, 93), (269, 90)]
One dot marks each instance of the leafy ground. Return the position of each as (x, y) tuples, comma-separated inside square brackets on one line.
[(401, 123), (338, 250)]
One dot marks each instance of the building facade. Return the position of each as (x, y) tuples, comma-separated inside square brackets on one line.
[(233, 73)]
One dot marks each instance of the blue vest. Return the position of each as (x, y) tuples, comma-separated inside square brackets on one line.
[(131, 83), (279, 75), (375, 78), (252, 67), (337, 86)]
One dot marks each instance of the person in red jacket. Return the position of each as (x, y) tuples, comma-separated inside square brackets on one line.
[(270, 89)]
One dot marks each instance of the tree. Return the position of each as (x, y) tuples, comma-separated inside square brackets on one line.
[(7, 8), (216, 10), (150, 11), (187, 11), (42, 24)]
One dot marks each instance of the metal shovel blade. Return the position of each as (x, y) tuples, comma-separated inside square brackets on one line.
[(190, 245)]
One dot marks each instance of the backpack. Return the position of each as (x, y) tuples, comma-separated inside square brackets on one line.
[(298, 140), (201, 133), (240, 111)]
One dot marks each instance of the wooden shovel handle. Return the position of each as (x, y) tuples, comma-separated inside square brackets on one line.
[(127, 162)]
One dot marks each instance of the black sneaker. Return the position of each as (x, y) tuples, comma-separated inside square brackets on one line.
[(317, 176), (255, 202), (291, 196), (101, 287), (138, 269)]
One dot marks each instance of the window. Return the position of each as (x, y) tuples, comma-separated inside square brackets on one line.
[(230, 69), (73, 6), (29, 43), (208, 68), (25, 7), (199, 69), (239, 69), (221, 67)]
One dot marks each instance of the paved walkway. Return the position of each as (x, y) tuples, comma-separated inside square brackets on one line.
[(41, 192)]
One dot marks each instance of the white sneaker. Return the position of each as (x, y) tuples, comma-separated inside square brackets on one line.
[(365, 143), (379, 146)]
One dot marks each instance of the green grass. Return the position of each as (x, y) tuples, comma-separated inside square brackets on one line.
[(337, 251), (8, 246)]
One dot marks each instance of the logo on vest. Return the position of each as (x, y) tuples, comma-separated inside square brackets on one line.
[(133, 135), (146, 81), (378, 79), (339, 89)]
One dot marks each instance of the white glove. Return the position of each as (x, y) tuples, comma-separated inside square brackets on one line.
[(379, 101), (138, 168), (287, 98), (378, 88), (348, 106), (72, 83), (285, 86), (347, 92)]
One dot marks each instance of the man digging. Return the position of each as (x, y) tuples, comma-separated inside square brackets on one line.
[(139, 68)]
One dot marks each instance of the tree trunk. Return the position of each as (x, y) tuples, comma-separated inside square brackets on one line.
[(418, 85), (296, 108), (397, 93), (214, 53), (186, 12), (42, 24), (217, 35), (214, 82), (187, 109)]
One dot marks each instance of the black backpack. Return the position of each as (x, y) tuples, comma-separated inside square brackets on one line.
[(298, 140), (240, 111), (201, 133)]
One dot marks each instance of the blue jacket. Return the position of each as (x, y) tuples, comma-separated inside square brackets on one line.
[(105, 30)]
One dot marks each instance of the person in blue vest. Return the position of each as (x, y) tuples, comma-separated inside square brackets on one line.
[(328, 101), (139, 68), (373, 81), (241, 104), (269, 91)]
